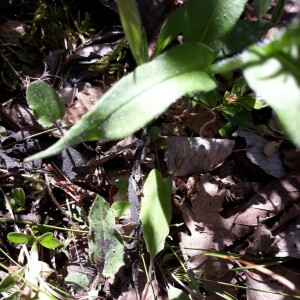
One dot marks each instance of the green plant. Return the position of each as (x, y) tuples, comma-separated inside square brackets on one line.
[(45, 102), (55, 26), (29, 282), (209, 30), (144, 94), (17, 201), (47, 239)]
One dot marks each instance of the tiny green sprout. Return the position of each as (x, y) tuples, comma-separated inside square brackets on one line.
[(47, 239), (35, 181), (19, 198)]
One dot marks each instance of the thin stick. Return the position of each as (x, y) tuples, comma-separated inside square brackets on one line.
[(54, 200)]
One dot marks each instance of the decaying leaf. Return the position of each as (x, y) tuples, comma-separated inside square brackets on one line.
[(264, 287), (260, 241), (271, 164), (277, 241), (105, 245), (196, 155), (270, 201), (86, 97), (287, 244), (208, 229)]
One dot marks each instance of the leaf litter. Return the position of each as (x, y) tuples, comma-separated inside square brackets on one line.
[(216, 211)]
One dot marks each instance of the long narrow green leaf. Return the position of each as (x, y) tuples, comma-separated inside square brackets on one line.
[(156, 211), (170, 29), (141, 96), (131, 21), (209, 21)]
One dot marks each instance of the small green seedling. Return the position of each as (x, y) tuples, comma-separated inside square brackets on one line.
[(18, 199), (47, 239)]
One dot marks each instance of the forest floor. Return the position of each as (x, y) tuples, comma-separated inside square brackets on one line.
[(235, 228)]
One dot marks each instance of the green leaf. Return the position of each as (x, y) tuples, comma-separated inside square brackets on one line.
[(156, 211), (261, 7), (78, 281), (272, 71), (209, 99), (131, 21), (19, 196), (48, 240), (242, 119), (251, 101), (141, 96), (45, 103), (278, 11), (122, 185), (155, 133), (20, 238), (209, 21), (226, 128), (244, 34), (231, 109), (176, 294), (8, 282), (240, 87), (105, 244), (13, 296), (120, 208), (170, 29)]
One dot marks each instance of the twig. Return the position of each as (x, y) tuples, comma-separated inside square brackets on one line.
[(54, 200)]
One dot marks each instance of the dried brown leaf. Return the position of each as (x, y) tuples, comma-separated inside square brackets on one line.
[(270, 201), (196, 155), (86, 98), (258, 282), (260, 241), (271, 164), (208, 229)]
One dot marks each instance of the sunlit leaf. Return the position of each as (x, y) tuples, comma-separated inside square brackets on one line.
[(272, 71), (120, 208), (177, 294), (48, 240), (45, 103), (141, 96), (78, 281), (156, 211), (20, 238), (130, 18)]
